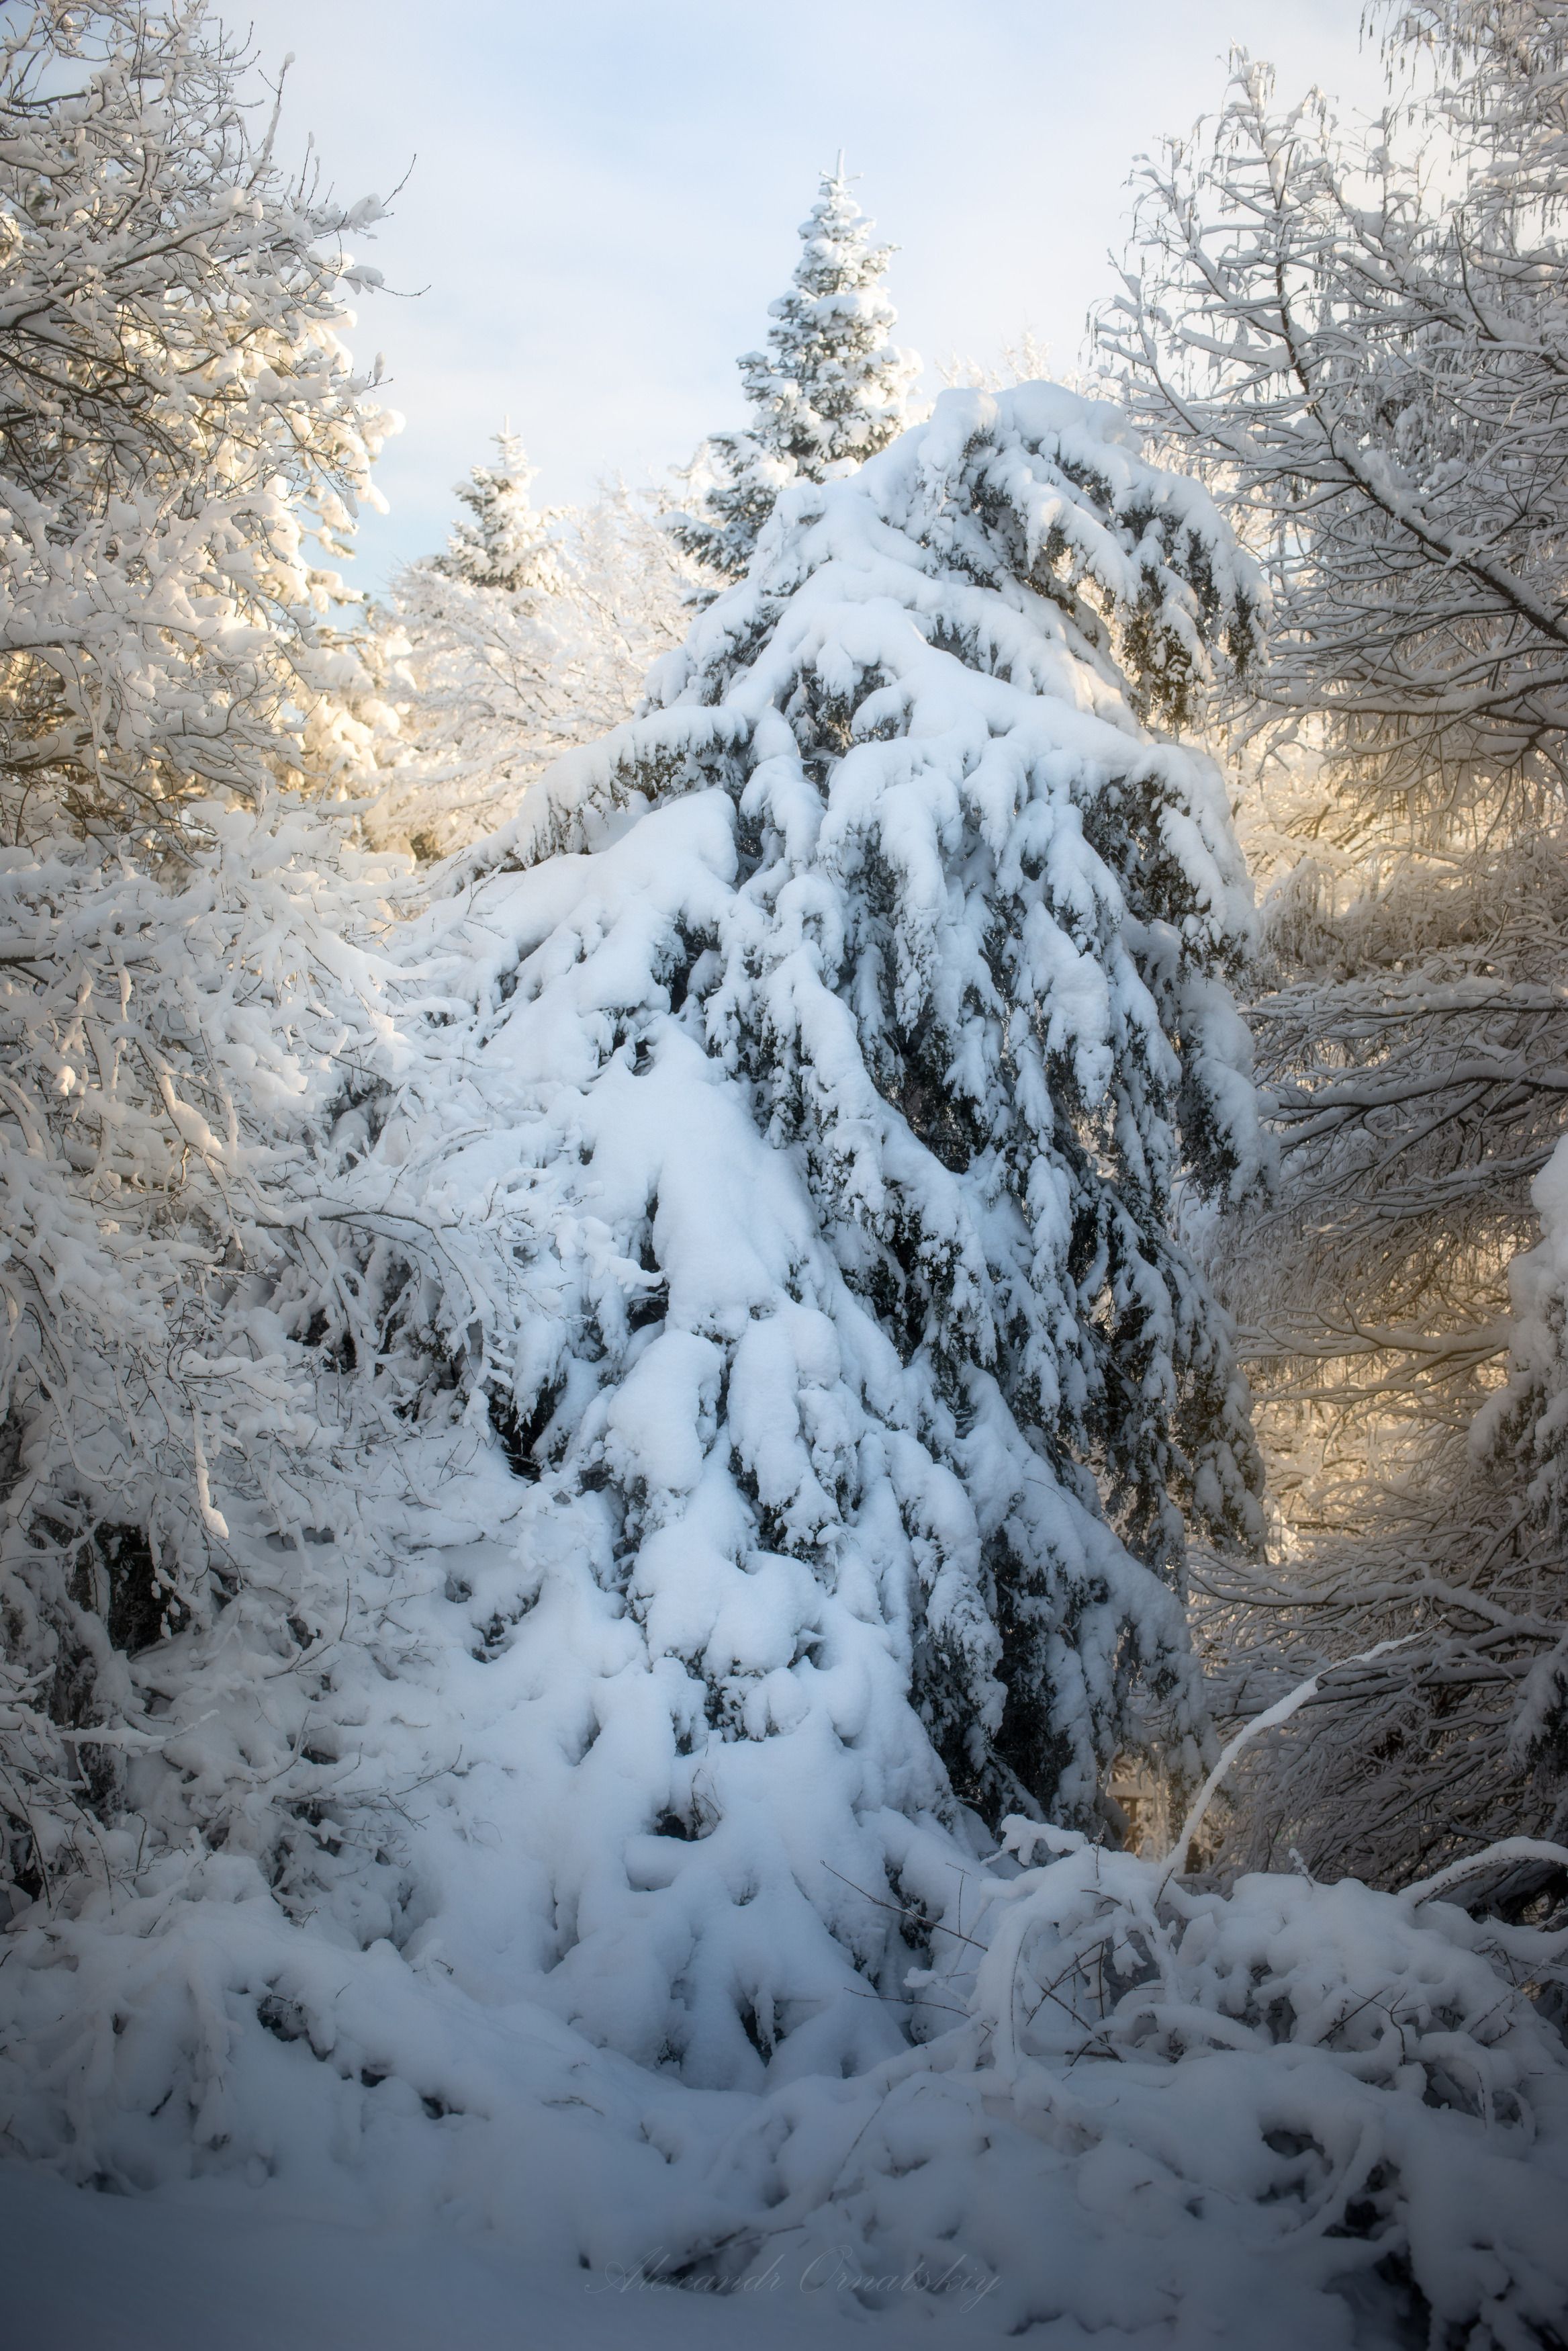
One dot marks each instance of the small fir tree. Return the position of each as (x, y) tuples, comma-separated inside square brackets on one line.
[(831, 389), (506, 542)]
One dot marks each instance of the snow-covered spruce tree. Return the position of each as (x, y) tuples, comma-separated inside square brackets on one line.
[(830, 389), (837, 1021), (1357, 343), (189, 978)]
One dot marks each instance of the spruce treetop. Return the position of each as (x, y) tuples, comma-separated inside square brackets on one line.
[(830, 389)]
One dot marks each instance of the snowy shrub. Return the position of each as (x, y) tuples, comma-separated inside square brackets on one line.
[(171, 1053), (1262, 2111)]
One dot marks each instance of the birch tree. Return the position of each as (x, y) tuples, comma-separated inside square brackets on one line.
[(189, 970)]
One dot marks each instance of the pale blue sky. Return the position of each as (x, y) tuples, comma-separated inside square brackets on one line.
[(604, 195)]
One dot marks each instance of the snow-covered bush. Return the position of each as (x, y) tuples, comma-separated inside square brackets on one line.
[(184, 1512), (830, 390), (1248, 2115)]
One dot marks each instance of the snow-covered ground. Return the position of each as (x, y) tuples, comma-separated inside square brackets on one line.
[(210, 2273), (1285, 2118)]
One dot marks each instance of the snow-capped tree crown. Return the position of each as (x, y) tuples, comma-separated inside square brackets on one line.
[(1359, 339), (831, 389)]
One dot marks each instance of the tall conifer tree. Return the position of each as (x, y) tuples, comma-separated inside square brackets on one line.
[(824, 1118)]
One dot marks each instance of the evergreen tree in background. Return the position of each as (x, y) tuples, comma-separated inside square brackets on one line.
[(505, 543), (830, 389), (534, 629)]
